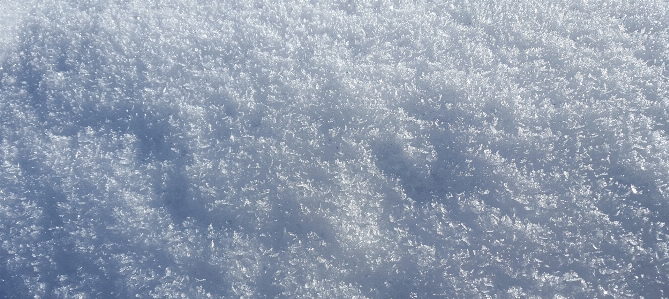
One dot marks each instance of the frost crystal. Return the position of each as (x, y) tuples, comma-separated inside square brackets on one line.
[(334, 149)]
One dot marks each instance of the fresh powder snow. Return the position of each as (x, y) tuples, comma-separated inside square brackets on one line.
[(334, 149)]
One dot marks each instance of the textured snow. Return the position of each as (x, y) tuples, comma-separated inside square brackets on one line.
[(334, 149)]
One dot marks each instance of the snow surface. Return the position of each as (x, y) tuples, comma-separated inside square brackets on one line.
[(334, 149)]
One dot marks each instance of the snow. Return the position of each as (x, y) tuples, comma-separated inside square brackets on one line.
[(334, 149)]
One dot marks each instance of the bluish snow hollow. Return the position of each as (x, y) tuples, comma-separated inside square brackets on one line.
[(334, 149)]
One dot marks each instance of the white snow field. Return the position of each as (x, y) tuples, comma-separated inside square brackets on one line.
[(334, 149)]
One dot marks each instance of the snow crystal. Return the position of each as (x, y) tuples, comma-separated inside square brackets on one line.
[(334, 149)]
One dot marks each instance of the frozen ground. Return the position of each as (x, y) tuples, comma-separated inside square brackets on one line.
[(334, 149)]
